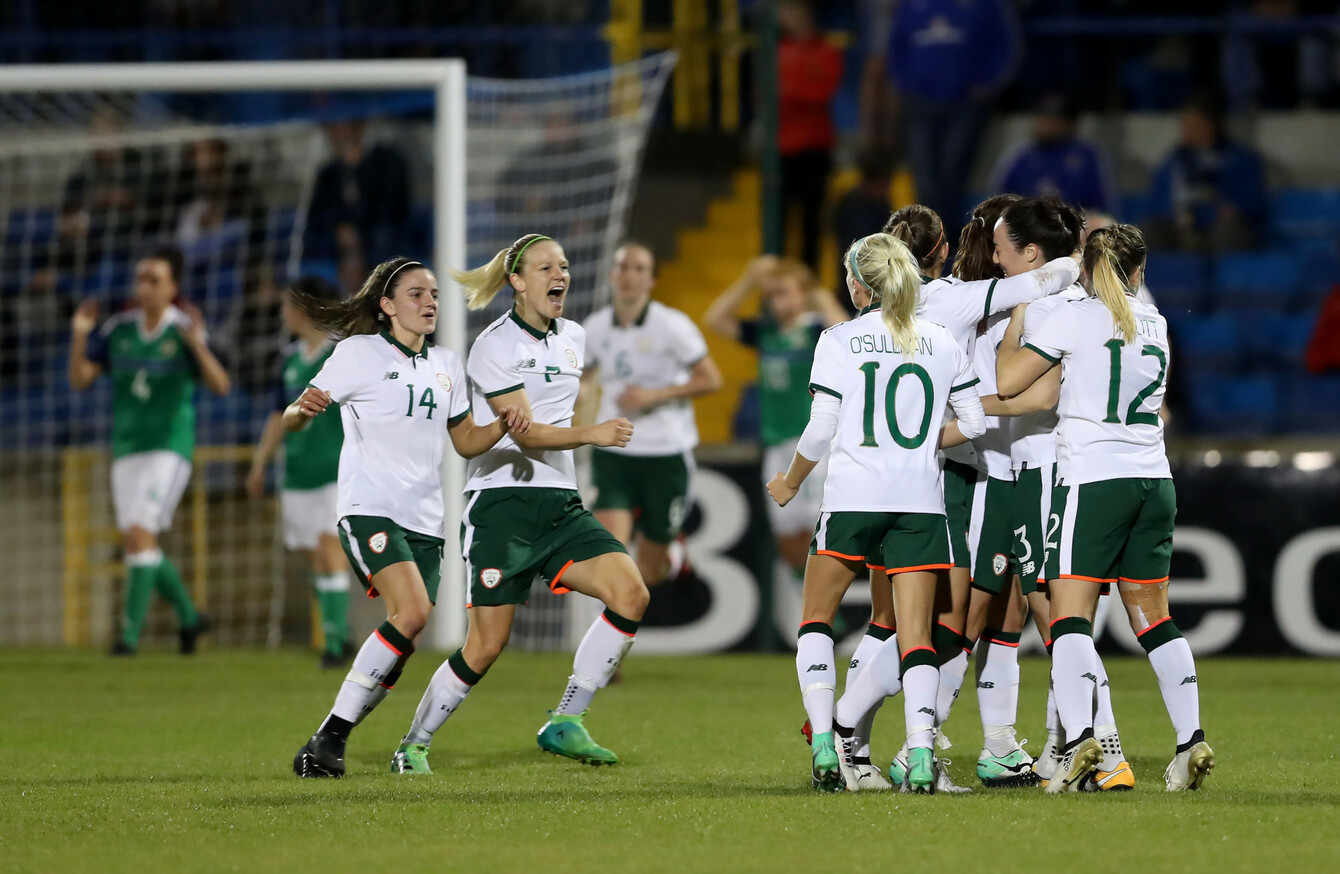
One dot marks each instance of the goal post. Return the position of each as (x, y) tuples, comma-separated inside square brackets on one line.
[(446, 80)]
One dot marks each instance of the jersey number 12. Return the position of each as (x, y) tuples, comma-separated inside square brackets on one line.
[(1133, 414)]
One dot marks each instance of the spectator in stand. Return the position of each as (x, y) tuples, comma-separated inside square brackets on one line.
[(864, 207), (219, 208), (1056, 161), (809, 71), (255, 335), (1209, 193), (360, 207), (948, 61)]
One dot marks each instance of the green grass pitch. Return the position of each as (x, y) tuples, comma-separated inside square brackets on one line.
[(166, 764)]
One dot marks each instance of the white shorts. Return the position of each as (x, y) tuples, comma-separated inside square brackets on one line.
[(146, 488), (800, 515), (309, 513)]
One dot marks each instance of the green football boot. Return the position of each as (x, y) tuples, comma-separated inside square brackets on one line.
[(411, 759), (565, 735), (1013, 769), (825, 774), (920, 776)]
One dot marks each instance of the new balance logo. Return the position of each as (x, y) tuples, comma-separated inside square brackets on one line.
[(1089, 676), (391, 374), (928, 710), (816, 668), (1190, 679), (1105, 683), (986, 685), (854, 663)]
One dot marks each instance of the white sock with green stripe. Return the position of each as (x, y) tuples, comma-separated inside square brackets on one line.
[(998, 689), (451, 682), (880, 679), (372, 669), (1170, 656), (875, 637), (817, 672), (603, 647), (921, 681), (1073, 676)]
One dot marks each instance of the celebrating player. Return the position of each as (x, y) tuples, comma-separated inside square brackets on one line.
[(156, 354), (523, 515), (309, 495), (399, 398), (1114, 499), (646, 361), (880, 383)]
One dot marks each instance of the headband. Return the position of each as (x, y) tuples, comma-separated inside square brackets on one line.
[(517, 259), (851, 261), (940, 239), (386, 288)]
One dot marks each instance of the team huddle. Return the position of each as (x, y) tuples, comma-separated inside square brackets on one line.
[(983, 445)]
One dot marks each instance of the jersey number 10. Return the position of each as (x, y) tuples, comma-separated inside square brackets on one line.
[(890, 404)]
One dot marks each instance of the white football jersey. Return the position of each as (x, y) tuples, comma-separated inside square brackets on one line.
[(1111, 391), (993, 447), (1033, 437), (511, 355), (656, 351), (396, 406), (961, 306), (883, 457)]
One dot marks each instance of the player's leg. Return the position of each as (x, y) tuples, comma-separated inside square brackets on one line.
[(330, 579), (663, 492), (1002, 761), (1144, 591), (402, 571), (864, 699), (172, 475)]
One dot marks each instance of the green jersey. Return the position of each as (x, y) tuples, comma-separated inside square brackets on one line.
[(154, 376), (312, 455), (784, 361)]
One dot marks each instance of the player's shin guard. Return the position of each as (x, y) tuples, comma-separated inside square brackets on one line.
[(141, 575), (603, 647), (921, 683), (452, 681), (373, 667), (881, 678), (998, 689), (817, 673), (332, 598), (1170, 656), (1074, 676)]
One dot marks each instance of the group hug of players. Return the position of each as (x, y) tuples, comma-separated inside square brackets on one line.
[(1039, 493)]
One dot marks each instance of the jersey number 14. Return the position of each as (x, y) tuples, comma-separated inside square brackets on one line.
[(425, 400)]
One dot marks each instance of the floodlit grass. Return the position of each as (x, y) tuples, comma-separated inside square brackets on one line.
[(166, 764)]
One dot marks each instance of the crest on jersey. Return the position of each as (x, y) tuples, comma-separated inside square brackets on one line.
[(572, 358), (998, 564), (643, 344), (490, 577), (444, 381), (168, 347), (377, 542)]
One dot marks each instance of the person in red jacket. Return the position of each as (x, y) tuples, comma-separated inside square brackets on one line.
[(809, 70)]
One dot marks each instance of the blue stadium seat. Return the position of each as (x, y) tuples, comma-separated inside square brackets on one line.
[(1259, 280), (1311, 405), (1246, 406), (1177, 281), (1206, 344), (30, 226), (1304, 212), (1276, 341)]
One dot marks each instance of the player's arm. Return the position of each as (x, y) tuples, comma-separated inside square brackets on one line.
[(310, 404), (722, 315), (83, 370), (613, 432), (1048, 279), (470, 440), (271, 437), (814, 442), (704, 378), (1041, 395), (1019, 366), (212, 373), (970, 419)]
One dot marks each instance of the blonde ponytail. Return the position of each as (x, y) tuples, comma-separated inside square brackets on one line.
[(1111, 257), (483, 283), (884, 264)]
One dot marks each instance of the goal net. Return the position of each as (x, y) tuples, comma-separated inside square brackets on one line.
[(92, 178)]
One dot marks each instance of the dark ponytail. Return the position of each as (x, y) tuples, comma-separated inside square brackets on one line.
[(919, 228), (362, 313), (975, 260), (1046, 222)]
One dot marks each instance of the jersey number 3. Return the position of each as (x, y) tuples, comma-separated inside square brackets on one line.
[(1133, 414), (890, 404), (425, 400)]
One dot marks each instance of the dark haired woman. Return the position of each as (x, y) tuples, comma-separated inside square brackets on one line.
[(523, 517), (156, 354), (960, 302), (1114, 496), (399, 398), (308, 495)]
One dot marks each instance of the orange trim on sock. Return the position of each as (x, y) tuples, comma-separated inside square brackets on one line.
[(611, 624), (839, 555), (386, 687), (915, 648), (1001, 642), (1047, 642), (553, 584), (955, 630), (1085, 579), (1155, 625), (387, 643), (1059, 618), (923, 567), (885, 627), (1143, 582)]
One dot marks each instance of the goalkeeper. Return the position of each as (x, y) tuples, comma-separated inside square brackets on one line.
[(156, 353)]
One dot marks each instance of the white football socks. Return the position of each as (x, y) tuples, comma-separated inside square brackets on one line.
[(598, 656), (817, 674)]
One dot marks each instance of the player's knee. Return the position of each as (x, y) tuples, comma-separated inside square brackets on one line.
[(482, 649), (630, 597), (412, 618)]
